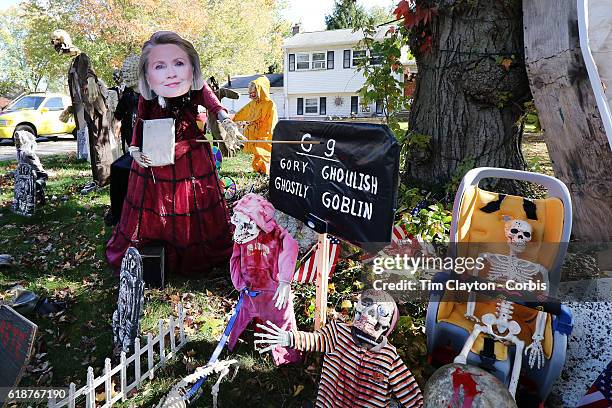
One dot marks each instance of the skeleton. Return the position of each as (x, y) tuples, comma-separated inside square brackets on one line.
[(352, 352), (126, 319), (502, 268), (89, 107), (176, 396)]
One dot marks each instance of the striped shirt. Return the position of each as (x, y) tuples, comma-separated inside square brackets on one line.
[(353, 376)]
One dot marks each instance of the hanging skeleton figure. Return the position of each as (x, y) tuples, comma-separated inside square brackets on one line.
[(360, 367), (263, 261), (126, 319), (30, 177), (500, 325), (89, 107)]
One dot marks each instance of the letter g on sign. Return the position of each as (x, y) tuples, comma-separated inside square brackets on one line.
[(306, 148)]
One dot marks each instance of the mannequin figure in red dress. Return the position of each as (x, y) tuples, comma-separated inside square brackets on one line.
[(180, 205)]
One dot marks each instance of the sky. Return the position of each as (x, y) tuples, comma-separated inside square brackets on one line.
[(311, 13)]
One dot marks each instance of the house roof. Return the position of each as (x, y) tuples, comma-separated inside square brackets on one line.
[(329, 37), (276, 81)]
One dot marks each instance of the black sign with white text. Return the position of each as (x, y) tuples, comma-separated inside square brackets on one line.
[(348, 181)]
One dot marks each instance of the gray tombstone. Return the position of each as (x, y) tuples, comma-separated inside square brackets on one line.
[(82, 144), (24, 202), (126, 319)]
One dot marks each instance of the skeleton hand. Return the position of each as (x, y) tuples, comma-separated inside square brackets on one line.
[(535, 352), (141, 159), (273, 336), (282, 295), (233, 137), (92, 89), (65, 115)]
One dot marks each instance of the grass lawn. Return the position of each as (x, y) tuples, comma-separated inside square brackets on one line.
[(59, 254)]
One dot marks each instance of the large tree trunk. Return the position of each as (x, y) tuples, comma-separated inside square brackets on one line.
[(468, 99), (572, 124)]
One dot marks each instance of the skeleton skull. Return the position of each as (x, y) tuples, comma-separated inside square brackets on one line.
[(246, 229), (374, 313), (61, 41), (518, 234)]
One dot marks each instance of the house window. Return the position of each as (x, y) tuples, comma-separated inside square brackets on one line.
[(330, 60), (358, 56), (312, 105), (291, 62), (376, 58), (303, 61), (300, 106), (354, 104), (379, 106), (318, 60), (346, 63), (323, 106)]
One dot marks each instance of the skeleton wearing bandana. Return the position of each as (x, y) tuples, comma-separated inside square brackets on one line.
[(263, 260), (89, 105), (360, 367)]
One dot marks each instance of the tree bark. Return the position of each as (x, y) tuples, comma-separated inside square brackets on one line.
[(572, 125), (466, 99)]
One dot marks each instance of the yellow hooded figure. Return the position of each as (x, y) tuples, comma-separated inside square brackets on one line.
[(260, 114)]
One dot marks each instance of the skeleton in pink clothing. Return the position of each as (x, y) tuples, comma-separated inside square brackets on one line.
[(263, 260)]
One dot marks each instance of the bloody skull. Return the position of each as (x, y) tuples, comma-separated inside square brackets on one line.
[(375, 313), (246, 229)]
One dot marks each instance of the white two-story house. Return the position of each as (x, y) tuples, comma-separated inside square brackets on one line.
[(320, 76)]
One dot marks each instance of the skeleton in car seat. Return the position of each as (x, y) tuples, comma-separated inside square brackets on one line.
[(360, 367), (505, 267), (263, 260)]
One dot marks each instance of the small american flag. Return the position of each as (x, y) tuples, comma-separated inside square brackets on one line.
[(307, 272), (600, 393)]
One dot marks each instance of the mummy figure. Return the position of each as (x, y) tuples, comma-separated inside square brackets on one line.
[(500, 325)]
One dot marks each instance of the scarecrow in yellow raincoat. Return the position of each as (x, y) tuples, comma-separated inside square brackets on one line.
[(260, 117)]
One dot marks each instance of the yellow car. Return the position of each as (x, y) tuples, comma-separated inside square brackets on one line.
[(37, 113)]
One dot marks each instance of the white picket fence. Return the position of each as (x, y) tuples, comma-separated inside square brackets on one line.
[(89, 390)]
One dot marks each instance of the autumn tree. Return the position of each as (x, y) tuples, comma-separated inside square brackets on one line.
[(231, 36), (25, 63)]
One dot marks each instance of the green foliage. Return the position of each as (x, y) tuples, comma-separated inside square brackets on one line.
[(431, 223), (534, 165), (530, 118), (383, 73), (463, 167), (345, 14)]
